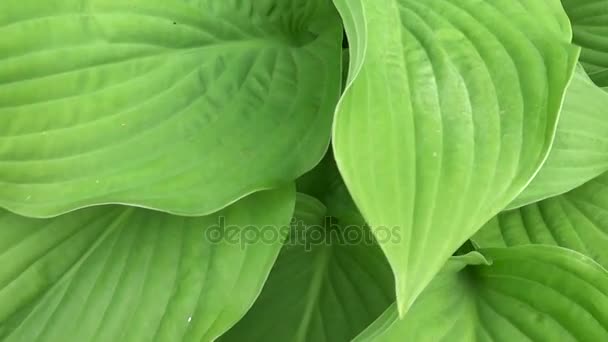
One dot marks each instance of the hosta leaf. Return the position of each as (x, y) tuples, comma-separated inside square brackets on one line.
[(325, 183), (329, 283), (450, 112), (590, 26), (577, 220), (320, 181), (115, 273), (182, 106), (528, 293), (580, 150), (345, 66), (353, 19)]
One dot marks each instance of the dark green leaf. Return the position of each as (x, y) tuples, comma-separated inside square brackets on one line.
[(590, 25)]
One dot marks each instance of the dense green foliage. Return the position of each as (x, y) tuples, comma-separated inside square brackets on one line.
[(304, 170)]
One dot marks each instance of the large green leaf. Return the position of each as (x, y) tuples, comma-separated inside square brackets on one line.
[(320, 181), (450, 111), (182, 106), (330, 281), (528, 293), (590, 25), (115, 273), (580, 150), (577, 220)]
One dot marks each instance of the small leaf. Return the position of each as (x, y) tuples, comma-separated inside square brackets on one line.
[(114, 273), (180, 106), (527, 293), (450, 111), (577, 220)]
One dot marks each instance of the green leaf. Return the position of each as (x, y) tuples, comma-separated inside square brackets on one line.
[(577, 220), (450, 111), (355, 27), (114, 273), (325, 183), (590, 26), (181, 106), (330, 282), (322, 180), (580, 150), (528, 293), (345, 66)]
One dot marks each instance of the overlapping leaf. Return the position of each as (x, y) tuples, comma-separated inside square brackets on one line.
[(115, 273), (182, 106), (330, 281), (580, 150), (321, 181), (590, 26), (528, 293), (450, 110), (577, 220)]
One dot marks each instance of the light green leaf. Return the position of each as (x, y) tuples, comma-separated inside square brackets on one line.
[(450, 112), (355, 27), (182, 106), (330, 282), (577, 220), (345, 66), (590, 26), (580, 150), (114, 273), (528, 293)]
